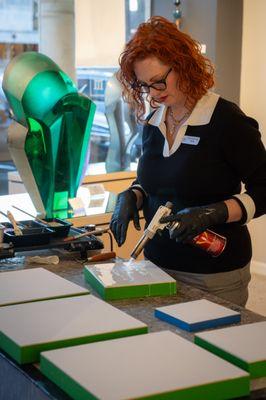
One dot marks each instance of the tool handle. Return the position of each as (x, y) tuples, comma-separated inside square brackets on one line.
[(31, 215), (11, 218), (88, 233), (102, 256)]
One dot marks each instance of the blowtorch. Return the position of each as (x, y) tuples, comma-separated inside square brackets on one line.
[(209, 241), (152, 228)]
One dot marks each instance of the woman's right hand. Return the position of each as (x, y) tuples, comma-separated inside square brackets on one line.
[(125, 211)]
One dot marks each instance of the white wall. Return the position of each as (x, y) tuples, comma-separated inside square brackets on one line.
[(253, 94), (100, 32), (57, 33)]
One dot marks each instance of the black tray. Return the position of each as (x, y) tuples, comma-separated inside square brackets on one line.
[(25, 224), (60, 228), (33, 233), (83, 244)]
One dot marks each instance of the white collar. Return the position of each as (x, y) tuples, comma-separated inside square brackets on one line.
[(201, 114)]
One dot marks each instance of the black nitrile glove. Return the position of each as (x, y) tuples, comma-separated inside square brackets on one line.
[(125, 211), (193, 221)]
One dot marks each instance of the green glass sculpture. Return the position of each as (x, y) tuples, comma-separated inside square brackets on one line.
[(50, 147)]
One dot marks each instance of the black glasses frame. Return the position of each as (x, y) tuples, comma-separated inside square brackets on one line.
[(145, 88)]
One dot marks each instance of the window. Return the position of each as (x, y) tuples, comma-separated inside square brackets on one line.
[(18, 33), (115, 143)]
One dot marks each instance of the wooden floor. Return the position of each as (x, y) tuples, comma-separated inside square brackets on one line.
[(257, 294)]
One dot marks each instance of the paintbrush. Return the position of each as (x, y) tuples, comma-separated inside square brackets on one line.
[(31, 215), (10, 217), (87, 233)]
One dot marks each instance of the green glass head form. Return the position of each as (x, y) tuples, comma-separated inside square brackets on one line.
[(49, 141)]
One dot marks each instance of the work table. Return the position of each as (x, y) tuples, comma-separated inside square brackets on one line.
[(27, 383)]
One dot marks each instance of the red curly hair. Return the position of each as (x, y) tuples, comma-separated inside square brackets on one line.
[(160, 38)]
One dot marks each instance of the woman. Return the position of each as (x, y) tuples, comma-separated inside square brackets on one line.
[(197, 150)]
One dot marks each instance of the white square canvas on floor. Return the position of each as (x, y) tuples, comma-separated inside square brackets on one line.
[(146, 365), (197, 314), (35, 284), (27, 329)]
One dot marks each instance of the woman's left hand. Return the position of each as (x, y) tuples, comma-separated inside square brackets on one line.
[(190, 222)]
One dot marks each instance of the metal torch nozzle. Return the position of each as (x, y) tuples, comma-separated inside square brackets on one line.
[(139, 246), (152, 228)]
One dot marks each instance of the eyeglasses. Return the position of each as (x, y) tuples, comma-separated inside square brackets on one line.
[(159, 85)]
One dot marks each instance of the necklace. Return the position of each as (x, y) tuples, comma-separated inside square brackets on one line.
[(176, 122)]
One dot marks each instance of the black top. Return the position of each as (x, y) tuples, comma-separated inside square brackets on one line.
[(229, 152)]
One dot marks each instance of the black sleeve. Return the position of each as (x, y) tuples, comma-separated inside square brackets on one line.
[(145, 134), (244, 150)]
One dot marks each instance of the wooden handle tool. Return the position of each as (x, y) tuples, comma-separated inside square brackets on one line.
[(102, 256), (31, 215), (10, 217), (87, 233)]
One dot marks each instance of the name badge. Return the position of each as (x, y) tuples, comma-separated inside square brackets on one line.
[(194, 140)]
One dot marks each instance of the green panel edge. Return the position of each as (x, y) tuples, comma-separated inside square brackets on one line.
[(47, 298), (256, 370), (63, 381), (216, 391), (10, 347), (90, 278), (157, 289), (30, 354)]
